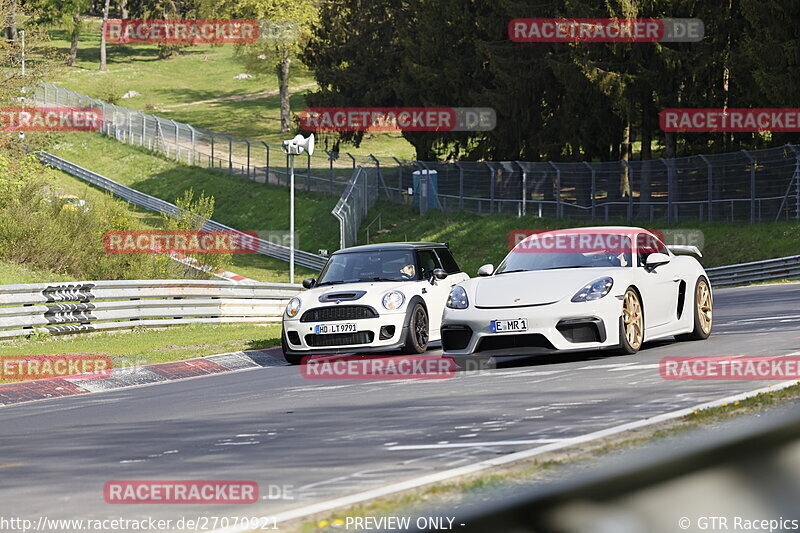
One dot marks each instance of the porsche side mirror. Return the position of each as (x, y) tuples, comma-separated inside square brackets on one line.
[(309, 283), (656, 260), (486, 270), (439, 273)]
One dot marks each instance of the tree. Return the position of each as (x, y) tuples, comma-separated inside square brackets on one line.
[(103, 36), (69, 14), (285, 28)]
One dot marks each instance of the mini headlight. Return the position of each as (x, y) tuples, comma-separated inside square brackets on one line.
[(293, 308), (594, 290), (458, 298), (393, 300)]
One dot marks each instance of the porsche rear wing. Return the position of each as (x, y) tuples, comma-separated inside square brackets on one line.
[(680, 249)]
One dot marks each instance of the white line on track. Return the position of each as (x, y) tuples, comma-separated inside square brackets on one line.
[(444, 475), (635, 367), (472, 444)]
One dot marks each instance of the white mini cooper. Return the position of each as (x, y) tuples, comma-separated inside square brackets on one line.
[(372, 298)]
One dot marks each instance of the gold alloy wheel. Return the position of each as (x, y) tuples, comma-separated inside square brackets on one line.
[(633, 320), (704, 306)]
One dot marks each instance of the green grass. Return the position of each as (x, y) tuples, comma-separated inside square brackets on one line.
[(144, 346), (13, 273), (240, 203), (199, 73)]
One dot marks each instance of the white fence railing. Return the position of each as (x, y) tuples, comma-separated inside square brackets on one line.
[(86, 306)]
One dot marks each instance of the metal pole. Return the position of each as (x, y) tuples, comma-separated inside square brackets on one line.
[(399, 178), (710, 187), (194, 144), (669, 190), (559, 209), (230, 154), (291, 218), (330, 171), (491, 186), (266, 169), (353, 158), (752, 187), (524, 189), (177, 140), (594, 188), (630, 189), (212, 150), (248, 158), (460, 185)]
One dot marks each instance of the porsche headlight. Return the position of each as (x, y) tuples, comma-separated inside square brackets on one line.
[(458, 298), (393, 300), (594, 290), (293, 308)]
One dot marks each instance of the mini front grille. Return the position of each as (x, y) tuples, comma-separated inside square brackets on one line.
[(339, 339), (338, 312)]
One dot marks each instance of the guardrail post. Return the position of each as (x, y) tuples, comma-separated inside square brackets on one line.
[(710, 172), (559, 207), (752, 186)]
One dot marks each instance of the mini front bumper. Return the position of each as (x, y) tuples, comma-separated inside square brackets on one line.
[(300, 336), (562, 326)]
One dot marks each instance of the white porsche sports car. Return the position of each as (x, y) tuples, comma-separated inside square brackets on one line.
[(373, 298), (580, 289)]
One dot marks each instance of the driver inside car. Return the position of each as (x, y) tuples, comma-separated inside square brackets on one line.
[(408, 270)]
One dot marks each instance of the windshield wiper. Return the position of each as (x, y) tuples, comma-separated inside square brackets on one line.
[(510, 271), (377, 279), (567, 266)]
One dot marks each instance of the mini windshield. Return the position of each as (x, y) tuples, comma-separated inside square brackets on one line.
[(570, 251), (387, 265)]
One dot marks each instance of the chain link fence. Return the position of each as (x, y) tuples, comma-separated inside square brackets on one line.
[(745, 186)]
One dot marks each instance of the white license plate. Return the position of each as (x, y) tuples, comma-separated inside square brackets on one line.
[(507, 326), (323, 329)]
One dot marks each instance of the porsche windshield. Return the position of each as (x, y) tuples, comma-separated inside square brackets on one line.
[(387, 265), (550, 252)]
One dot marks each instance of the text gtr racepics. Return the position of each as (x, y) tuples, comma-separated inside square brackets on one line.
[(372, 298), (580, 289)]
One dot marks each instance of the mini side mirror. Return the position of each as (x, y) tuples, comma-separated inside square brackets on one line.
[(309, 283), (439, 273), (656, 259), (486, 270)]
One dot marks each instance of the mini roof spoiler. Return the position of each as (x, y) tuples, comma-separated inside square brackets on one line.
[(680, 249)]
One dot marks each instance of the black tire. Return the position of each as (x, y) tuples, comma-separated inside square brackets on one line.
[(702, 329), (290, 358), (625, 346), (417, 332)]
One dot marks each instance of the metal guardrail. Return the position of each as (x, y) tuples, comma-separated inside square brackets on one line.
[(86, 306), (770, 269), (277, 251), (747, 469)]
